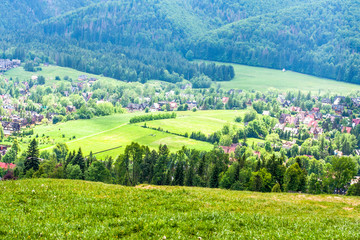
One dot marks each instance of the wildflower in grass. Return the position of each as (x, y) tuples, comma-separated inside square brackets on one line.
[(33, 191)]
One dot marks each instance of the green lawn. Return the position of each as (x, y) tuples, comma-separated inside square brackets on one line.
[(262, 79), (67, 209)]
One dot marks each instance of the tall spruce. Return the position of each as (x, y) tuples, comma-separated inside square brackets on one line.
[(32, 157), (79, 160)]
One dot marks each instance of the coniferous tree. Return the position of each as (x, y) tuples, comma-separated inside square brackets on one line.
[(79, 160), (179, 174), (32, 157)]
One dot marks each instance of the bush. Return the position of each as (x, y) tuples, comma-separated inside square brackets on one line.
[(354, 190), (276, 188)]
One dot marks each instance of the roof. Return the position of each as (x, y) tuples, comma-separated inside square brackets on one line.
[(7, 165)]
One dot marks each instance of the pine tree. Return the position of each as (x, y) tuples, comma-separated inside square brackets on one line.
[(179, 174), (32, 157), (79, 160)]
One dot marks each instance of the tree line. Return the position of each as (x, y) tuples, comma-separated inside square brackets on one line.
[(244, 170), (152, 117)]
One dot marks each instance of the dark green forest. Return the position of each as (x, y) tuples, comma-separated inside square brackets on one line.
[(157, 39)]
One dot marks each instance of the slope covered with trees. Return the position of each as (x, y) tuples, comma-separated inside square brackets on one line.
[(155, 39)]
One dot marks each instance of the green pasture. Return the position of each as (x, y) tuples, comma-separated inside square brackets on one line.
[(206, 122), (68, 209), (103, 133), (50, 72), (261, 79)]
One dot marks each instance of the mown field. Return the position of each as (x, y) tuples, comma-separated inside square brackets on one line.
[(261, 79), (108, 132), (67, 209), (103, 133), (205, 121)]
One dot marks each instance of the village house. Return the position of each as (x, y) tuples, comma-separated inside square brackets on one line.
[(346, 129), (293, 131), (283, 117), (325, 101), (70, 109), (355, 122), (136, 107), (266, 113), (338, 108), (295, 109), (356, 101), (173, 106), (225, 100), (6, 64), (316, 131), (82, 77), (191, 104), (288, 145), (3, 149), (292, 120), (155, 107), (7, 165)]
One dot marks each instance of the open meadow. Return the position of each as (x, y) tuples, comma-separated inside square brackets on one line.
[(50, 72), (68, 209), (261, 79), (103, 133)]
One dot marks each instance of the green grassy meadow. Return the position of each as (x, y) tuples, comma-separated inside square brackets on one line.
[(205, 121), (261, 79), (103, 133), (50, 72), (68, 209)]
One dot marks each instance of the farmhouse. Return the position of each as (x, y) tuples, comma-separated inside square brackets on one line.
[(6, 64)]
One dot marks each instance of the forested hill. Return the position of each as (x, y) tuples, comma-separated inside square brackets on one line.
[(154, 39)]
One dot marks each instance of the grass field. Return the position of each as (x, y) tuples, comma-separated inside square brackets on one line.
[(102, 133), (67, 209), (50, 72), (205, 121), (262, 79)]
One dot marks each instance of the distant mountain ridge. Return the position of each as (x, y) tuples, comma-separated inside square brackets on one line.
[(145, 39)]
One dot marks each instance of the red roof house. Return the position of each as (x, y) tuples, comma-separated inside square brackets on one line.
[(7, 165)]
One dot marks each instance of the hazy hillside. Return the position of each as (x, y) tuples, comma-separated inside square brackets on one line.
[(151, 39)]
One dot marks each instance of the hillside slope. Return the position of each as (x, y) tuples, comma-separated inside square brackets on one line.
[(152, 39), (59, 209)]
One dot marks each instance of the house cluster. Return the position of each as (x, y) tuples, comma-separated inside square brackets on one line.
[(310, 119), (158, 106), (6, 64), (15, 123), (289, 123)]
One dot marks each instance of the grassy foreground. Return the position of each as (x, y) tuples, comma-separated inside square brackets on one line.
[(67, 209)]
